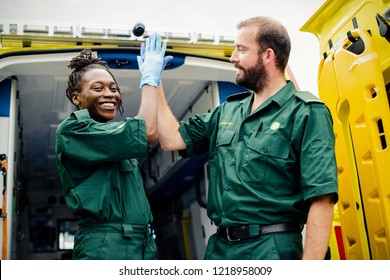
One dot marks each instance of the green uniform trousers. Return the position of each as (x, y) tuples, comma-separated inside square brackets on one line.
[(274, 246), (111, 242)]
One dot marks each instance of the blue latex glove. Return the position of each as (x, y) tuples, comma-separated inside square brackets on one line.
[(167, 59), (151, 61)]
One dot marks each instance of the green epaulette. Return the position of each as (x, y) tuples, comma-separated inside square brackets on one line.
[(238, 96), (308, 97), (82, 114)]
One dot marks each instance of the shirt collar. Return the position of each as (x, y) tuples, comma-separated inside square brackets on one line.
[(281, 97), (284, 94)]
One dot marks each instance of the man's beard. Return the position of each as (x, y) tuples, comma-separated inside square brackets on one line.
[(254, 78)]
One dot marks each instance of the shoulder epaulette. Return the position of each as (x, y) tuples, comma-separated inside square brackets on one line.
[(308, 97), (238, 96), (82, 114)]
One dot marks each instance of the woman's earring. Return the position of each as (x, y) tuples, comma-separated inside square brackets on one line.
[(76, 103)]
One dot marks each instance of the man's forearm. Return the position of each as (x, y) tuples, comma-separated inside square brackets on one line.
[(318, 228), (168, 127)]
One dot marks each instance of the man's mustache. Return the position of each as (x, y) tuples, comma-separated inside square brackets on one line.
[(238, 66)]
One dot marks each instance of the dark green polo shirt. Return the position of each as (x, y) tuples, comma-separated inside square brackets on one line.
[(98, 169), (264, 166)]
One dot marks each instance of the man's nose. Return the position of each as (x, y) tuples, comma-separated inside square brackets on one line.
[(233, 58)]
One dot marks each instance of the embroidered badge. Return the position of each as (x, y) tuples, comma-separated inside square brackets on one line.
[(275, 126)]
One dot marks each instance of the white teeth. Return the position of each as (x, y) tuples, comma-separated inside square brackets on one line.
[(110, 105)]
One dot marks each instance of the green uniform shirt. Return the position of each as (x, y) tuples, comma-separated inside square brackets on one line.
[(98, 170), (264, 166)]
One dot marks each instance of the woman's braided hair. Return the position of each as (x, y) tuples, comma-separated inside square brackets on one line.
[(81, 64)]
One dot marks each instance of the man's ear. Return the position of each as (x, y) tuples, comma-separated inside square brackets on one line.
[(269, 54)]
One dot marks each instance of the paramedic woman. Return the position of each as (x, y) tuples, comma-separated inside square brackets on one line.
[(97, 158)]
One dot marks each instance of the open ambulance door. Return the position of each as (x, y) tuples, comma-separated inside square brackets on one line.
[(354, 82)]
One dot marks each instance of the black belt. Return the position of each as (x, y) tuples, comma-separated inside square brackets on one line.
[(251, 231)]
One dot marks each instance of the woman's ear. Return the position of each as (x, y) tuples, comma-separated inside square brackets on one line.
[(75, 99)]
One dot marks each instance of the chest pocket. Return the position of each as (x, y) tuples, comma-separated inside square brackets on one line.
[(225, 137), (266, 159), (269, 145)]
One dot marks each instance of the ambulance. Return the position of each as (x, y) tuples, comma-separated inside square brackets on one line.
[(353, 80)]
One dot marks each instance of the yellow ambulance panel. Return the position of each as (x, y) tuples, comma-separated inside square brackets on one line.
[(354, 81)]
